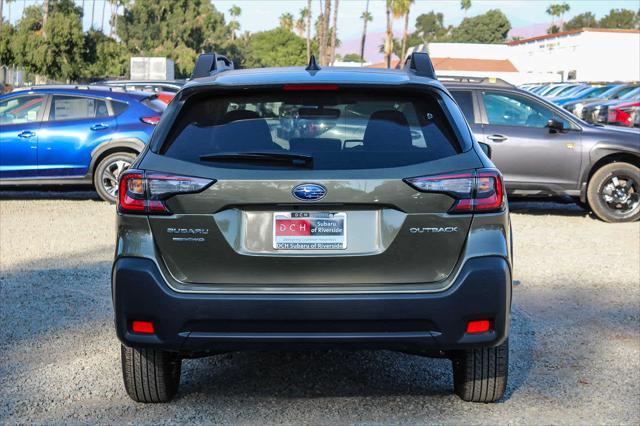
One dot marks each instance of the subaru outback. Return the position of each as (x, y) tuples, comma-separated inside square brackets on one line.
[(307, 208)]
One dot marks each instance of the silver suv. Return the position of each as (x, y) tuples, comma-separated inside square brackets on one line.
[(307, 208)]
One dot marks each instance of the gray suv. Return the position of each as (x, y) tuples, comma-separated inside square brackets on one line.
[(243, 226), (542, 150)]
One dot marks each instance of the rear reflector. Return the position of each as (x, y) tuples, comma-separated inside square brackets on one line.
[(145, 193), (300, 87), (477, 191), (142, 327), (478, 326), (153, 120)]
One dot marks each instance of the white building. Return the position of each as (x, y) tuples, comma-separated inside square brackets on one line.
[(588, 54)]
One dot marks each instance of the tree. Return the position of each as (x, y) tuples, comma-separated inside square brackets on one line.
[(388, 40), (430, 26), (352, 57), (465, 5), (234, 26), (621, 18), (6, 40), (324, 38), (403, 7), (286, 21), (308, 17), (334, 32), (300, 26), (177, 29), (492, 27), (275, 48), (556, 10), (366, 18), (583, 20), (64, 41), (103, 56)]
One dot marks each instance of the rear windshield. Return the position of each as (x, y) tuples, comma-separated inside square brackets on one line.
[(339, 130)]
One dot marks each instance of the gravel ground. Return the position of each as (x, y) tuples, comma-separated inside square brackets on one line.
[(575, 341)]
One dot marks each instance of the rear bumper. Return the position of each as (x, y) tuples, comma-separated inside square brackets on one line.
[(194, 323)]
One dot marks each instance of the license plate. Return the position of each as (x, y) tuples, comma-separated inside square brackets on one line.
[(309, 231)]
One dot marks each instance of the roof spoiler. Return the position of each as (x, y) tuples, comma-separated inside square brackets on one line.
[(209, 64), (419, 63)]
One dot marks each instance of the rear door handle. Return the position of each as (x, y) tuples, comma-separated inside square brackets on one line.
[(27, 134), (497, 138), (99, 126)]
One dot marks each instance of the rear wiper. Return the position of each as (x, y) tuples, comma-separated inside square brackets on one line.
[(297, 160)]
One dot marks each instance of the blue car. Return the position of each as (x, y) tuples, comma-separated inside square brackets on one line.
[(586, 93), (73, 135)]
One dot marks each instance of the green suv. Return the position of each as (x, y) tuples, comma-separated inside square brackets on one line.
[(307, 208)]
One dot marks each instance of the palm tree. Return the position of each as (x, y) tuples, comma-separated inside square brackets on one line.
[(301, 23), (556, 10), (308, 16), (388, 41), (286, 21), (404, 8), (324, 54), (334, 32), (465, 5), (93, 8), (234, 26), (366, 18)]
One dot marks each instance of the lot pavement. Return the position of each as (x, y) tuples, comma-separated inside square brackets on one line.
[(575, 342)]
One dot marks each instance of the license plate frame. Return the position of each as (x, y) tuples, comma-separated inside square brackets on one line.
[(307, 231)]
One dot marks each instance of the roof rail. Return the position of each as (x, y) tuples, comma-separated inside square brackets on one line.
[(480, 80), (209, 64), (420, 64), (71, 86)]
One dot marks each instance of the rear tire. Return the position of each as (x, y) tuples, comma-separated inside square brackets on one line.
[(480, 375), (150, 375), (614, 192), (107, 172)]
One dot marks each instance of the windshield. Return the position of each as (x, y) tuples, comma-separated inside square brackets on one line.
[(339, 130), (631, 94)]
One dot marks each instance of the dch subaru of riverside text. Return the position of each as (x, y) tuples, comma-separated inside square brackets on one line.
[(312, 208)]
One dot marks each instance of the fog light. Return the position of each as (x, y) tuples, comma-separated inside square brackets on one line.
[(142, 327), (478, 326)]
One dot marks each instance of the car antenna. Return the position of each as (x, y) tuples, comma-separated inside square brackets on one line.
[(313, 65)]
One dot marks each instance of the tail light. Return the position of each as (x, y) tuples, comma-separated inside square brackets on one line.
[(153, 120), (478, 191), (142, 192)]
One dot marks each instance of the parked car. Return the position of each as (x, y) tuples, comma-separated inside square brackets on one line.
[(598, 112), (56, 135), (624, 114), (542, 150), (172, 86), (230, 238), (616, 92), (586, 93), (567, 88)]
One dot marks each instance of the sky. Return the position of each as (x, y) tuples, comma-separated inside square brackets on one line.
[(259, 15)]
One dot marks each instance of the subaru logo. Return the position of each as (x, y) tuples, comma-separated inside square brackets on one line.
[(309, 192)]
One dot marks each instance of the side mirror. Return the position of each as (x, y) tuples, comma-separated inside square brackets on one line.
[(485, 148), (555, 125)]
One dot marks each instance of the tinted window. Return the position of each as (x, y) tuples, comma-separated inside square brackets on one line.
[(77, 108), (339, 130), (118, 107), (23, 109), (509, 109), (465, 101)]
